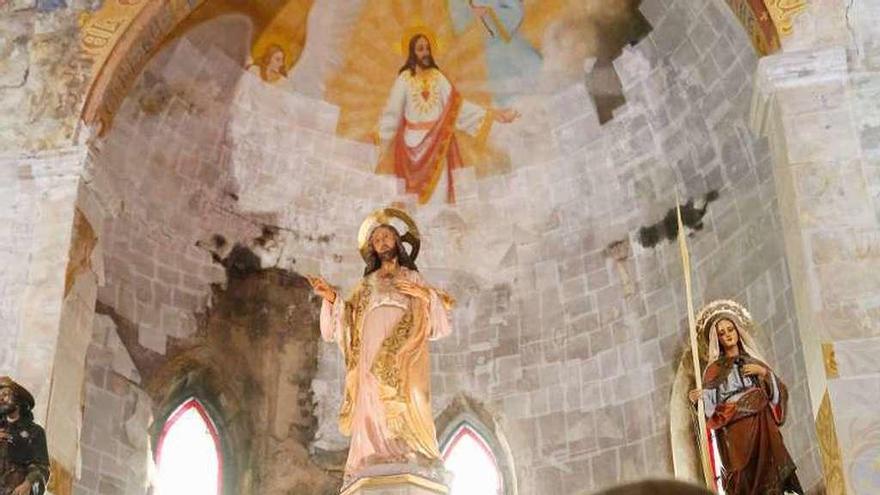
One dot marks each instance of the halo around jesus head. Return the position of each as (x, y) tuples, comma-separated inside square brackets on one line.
[(717, 310), (414, 30), (387, 217)]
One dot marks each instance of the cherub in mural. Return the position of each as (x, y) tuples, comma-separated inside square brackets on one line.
[(417, 127), (513, 62), (278, 39), (746, 403), (271, 66)]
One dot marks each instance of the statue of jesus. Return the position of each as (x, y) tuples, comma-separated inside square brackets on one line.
[(383, 331)]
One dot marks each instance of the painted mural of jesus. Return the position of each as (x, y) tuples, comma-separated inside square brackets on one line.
[(417, 127)]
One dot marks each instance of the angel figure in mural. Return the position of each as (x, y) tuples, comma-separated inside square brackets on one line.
[(513, 63), (271, 66), (745, 403), (417, 127), (383, 331), (278, 43)]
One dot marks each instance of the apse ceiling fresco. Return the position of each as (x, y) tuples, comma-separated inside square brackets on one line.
[(493, 52), (550, 37), (498, 57)]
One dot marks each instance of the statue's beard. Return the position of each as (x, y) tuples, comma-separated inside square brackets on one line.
[(388, 255), (426, 62), (6, 408)]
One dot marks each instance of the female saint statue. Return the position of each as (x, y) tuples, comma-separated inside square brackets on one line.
[(745, 404)]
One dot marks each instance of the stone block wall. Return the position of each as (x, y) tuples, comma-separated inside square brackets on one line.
[(114, 446), (162, 171)]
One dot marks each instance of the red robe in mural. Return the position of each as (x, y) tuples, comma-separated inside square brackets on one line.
[(419, 122)]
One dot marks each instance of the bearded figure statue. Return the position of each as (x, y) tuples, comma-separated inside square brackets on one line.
[(383, 331)]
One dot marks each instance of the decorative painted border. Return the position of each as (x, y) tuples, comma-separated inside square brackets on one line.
[(767, 21), (120, 39)]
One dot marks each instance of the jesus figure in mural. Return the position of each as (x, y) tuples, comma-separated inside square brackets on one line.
[(417, 127), (383, 331)]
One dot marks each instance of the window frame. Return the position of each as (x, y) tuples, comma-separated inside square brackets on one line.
[(184, 407), (464, 412), (465, 428)]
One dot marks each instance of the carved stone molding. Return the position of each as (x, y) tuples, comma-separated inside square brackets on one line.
[(789, 70)]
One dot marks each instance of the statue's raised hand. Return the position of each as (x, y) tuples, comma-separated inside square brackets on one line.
[(322, 288), (413, 290)]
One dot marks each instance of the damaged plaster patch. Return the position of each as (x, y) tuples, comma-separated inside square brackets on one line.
[(81, 248), (43, 78), (14, 55)]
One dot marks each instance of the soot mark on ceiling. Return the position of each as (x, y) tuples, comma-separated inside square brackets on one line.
[(667, 229)]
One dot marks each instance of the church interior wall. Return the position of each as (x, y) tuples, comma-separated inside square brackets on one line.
[(578, 366), (571, 345)]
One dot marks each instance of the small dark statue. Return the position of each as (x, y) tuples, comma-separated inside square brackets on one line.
[(24, 459)]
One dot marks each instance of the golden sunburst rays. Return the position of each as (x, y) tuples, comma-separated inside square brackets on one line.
[(372, 61), (539, 14)]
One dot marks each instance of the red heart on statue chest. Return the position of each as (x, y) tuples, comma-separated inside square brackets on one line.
[(426, 94)]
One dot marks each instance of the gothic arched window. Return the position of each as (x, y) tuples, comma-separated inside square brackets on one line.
[(473, 464), (188, 455)]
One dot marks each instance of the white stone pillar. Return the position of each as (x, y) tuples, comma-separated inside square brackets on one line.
[(38, 198), (805, 103), (48, 289)]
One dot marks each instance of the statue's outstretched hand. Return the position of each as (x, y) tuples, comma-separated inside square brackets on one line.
[(322, 288), (694, 395)]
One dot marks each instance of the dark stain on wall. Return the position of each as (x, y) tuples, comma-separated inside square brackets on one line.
[(252, 360), (667, 229)]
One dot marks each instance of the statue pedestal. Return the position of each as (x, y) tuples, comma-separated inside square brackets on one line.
[(397, 484)]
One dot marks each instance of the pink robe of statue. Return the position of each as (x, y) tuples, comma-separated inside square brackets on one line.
[(373, 439)]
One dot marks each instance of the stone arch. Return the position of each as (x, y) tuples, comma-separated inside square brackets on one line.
[(118, 67), (209, 412), (121, 42)]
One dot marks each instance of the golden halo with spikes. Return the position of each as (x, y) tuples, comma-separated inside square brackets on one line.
[(385, 216), (721, 308), (416, 29)]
